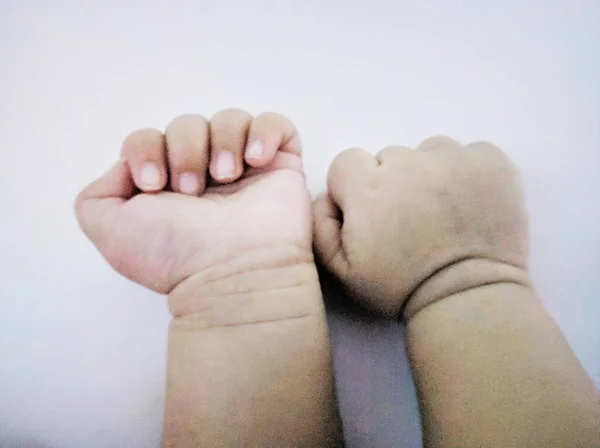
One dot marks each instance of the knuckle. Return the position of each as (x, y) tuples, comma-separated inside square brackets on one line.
[(341, 159), (486, 146), (349, 160), (392, 151), (348, 154), (492, 152), (345, 164), (141, 139), (272, 121), (271, 116), (230, 114), (438, 142), (185, 120)]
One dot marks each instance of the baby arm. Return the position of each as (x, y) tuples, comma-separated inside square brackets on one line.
[(438, 238), (215, 214), (493, 369), (249, 361)]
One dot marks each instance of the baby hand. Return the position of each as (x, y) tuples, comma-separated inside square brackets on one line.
[(205, 200), (216, 214), (407, 227)]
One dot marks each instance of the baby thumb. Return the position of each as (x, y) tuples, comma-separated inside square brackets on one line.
[(327, 230), (97, 204)]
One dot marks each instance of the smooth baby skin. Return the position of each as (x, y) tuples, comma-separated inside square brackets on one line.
[(215, 214), (437, 237)]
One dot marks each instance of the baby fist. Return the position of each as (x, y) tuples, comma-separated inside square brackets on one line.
[(408, 227)]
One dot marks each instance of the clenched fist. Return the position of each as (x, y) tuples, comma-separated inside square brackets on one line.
[(216, 214), (407, 227), (437, 236), (204, 199)]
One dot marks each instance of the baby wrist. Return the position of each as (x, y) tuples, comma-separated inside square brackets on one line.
[(462, 276), (242, 294)]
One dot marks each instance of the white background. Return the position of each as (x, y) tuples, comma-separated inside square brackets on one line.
[(82, 350)]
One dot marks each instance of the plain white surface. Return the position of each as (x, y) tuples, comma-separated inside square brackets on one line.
[(82, 350)]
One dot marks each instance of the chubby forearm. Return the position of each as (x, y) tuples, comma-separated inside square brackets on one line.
[(492, 369), (249, 363)]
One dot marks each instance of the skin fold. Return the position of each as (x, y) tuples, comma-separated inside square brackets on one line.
[(437, 237), (216, 215)]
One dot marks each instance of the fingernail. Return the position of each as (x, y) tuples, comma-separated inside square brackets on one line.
[(150, 177), (225, 165), (188, 183), (254, 150)]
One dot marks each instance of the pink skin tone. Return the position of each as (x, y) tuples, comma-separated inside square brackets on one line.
[(215, 214)]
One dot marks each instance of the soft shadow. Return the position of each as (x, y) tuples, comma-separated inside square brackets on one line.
[(375, 389), (339, 301), (22, 442)]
